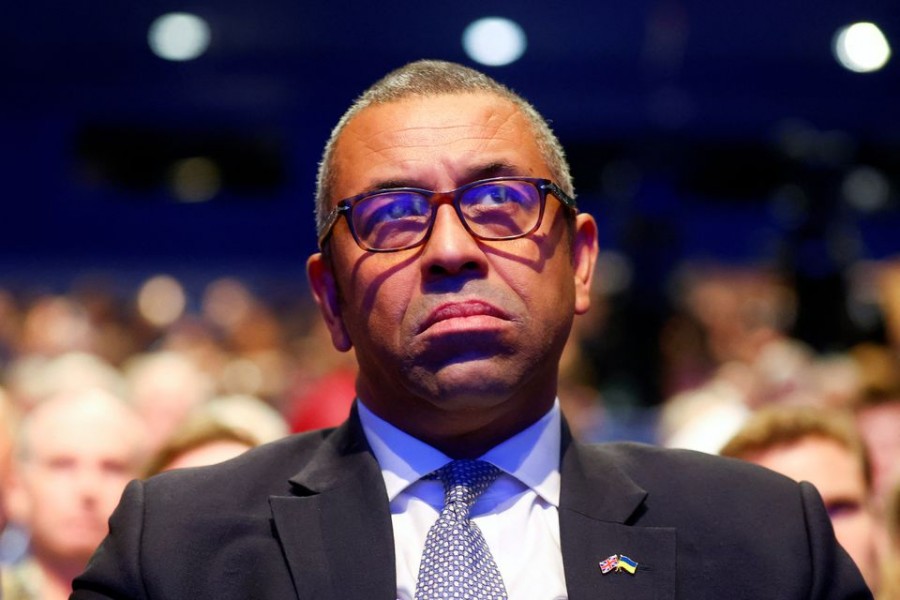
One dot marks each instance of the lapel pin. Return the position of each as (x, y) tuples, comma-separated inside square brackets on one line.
[(626, 564), (617, 563), (609, 564)]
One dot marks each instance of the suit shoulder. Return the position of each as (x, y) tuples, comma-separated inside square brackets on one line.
[(674, 470), (267, 467)]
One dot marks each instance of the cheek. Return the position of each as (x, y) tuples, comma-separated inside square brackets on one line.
[(50, 512), (376, 306), (111, 495), (853, 530), (546, 288)]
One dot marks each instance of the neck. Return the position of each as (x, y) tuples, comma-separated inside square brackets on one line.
[(463, 432), (475, 443)]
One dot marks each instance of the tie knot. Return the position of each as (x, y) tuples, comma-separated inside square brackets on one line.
[(464, 481)]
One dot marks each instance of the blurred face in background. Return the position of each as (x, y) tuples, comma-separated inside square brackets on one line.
[(880, 428), (838, 475), (213, 452), (75, 457)]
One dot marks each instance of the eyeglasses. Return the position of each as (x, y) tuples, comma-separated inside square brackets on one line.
[(501, 208)]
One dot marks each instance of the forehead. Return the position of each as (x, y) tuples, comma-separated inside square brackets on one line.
[(822, 461), (82, 429), (434, 141)]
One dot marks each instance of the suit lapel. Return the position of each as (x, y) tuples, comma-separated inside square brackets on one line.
[(336, 530), (598, 505), (337, 537)]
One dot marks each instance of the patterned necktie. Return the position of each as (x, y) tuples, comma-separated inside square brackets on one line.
[(456, 562)]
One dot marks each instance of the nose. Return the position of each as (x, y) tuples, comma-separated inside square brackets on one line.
[(87, 483), (451, 249)]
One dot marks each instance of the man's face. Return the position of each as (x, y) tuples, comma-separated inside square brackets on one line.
[(459, 332), (838, 476), (79, 461)]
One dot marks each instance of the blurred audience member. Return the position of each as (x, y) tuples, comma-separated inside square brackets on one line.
[(12, 539), (890, 577), (743, 316), (73, 456), (741, 311), (889, 298), (705, 419), (878, 413), (164, 387), (195, 340), (878, 419), (823, 447), (256, 337), (10, 324), (218, 430), (8, 424), (247, 413), (198, 442), (55, 325), (34, 378)]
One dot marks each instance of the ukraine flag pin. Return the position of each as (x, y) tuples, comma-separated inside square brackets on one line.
[(626, 564)]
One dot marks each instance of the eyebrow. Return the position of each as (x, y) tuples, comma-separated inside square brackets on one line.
[(494, 169)]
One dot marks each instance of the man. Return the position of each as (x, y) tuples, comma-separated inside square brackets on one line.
[(74, 455), (822, 447), (458, 305)]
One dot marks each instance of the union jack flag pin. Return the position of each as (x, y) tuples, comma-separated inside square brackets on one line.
[(609, 564)]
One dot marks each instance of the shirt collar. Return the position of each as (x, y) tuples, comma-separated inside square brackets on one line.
[(531, 456)]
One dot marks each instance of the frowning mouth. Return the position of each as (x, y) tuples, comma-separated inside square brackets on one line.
[(470, 311)]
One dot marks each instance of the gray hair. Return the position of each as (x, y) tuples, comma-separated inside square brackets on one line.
[(434, 78)]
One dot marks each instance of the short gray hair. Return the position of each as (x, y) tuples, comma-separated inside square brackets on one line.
[(434, 78)]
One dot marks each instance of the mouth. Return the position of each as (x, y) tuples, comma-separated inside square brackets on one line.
[(466, 314)]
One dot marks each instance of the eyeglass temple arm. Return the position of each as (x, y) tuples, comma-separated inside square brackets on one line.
[(330, 220), (561, 195)]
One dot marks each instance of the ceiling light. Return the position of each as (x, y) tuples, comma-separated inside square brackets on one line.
[(178, 36), (494, 41), (861, 47)]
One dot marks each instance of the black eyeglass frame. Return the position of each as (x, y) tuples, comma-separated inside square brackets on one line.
[(345, 208)]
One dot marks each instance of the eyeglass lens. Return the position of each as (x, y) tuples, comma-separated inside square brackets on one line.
[(492, 210)]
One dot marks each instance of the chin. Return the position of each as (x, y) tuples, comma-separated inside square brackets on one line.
[(467, 385), (80, 552)]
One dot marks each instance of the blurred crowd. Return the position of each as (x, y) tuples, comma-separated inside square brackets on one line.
[(99, 387)]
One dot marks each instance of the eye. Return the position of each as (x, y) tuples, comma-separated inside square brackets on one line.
[(112, 466), (842, 508), (499, 194), (379, 209), (391, 206), (61, 463), (392, 219)]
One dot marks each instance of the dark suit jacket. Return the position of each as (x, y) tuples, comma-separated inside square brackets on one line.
[(308, 517)]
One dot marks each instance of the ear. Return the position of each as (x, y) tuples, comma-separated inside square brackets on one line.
[(584, 258), (325, 291)]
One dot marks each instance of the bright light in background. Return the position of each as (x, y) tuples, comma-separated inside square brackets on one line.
[(178, 36), (161, 300), (861, 47), (494, 41)]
